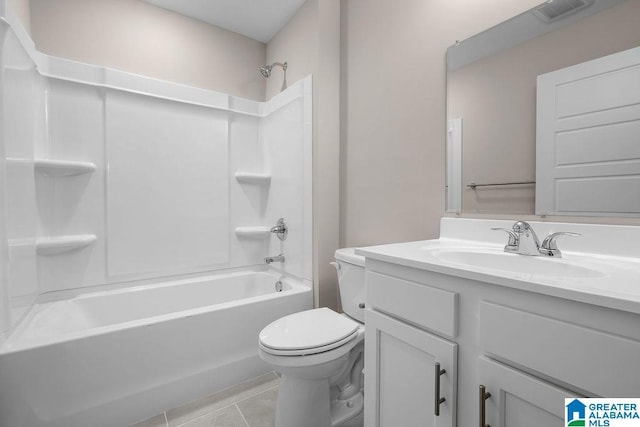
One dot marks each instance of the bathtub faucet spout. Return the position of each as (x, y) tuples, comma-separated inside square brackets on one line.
[(277, 258)]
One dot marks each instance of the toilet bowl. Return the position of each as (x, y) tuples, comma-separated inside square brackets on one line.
[(320, 355)]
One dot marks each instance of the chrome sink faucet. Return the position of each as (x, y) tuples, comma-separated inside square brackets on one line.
[(524, 241)]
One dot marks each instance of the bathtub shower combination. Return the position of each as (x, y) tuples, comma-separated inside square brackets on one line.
[(136, 216)]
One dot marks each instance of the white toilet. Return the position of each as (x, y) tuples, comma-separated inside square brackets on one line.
[(320, 355)]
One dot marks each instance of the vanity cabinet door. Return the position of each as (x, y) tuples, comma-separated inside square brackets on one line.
[(518, 399), (400, 375)]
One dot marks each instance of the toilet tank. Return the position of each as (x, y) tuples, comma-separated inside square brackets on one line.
[(351, 282)]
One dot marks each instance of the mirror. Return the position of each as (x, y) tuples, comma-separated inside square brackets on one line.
[(492, 98)]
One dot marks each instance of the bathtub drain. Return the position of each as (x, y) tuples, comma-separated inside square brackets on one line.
[(278, 286)]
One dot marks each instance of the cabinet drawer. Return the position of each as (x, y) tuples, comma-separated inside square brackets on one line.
[(591, 360), (423, 305)]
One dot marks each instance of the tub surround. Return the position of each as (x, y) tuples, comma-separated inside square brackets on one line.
[(512, 334), (122, 194), (92, 154)]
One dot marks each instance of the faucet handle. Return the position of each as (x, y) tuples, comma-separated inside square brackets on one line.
[(280, 229), (549, 246), (512, 245)]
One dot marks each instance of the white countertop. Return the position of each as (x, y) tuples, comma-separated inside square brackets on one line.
[(611, 268)]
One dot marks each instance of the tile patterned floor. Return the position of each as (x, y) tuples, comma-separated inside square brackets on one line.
[(249, 404)]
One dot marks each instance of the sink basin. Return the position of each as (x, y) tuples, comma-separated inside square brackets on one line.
[(514, 263)]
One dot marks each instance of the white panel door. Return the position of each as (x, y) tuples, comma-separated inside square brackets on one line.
[(518, 399), (588, 138), (400, 381)]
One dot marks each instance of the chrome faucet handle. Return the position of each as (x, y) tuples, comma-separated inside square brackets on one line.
[(514, 238), (549, 246), (280, 229)]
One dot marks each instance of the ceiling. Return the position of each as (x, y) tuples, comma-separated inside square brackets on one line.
[(257, 19)]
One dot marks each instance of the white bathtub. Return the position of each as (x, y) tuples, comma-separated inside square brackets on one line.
[(112, 358)]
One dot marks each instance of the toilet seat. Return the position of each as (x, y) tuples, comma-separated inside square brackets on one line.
[(308, 332)]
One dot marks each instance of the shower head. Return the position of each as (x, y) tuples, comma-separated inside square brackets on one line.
[(266, 72), (266, 69)]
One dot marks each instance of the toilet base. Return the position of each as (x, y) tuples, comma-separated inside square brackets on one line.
[(343, 411), (303, 402), (306, 403)]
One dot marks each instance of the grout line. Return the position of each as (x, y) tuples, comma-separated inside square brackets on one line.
[(241, 415), (254, 395), (249, 390), (205, 414), (166, 419), (250, 393)]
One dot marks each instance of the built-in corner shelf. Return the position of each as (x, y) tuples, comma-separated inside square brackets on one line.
[(60, 244), (63, 167), (253, 232), (255, 178)]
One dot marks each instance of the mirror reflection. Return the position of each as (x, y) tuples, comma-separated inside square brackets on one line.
[(493, 104)]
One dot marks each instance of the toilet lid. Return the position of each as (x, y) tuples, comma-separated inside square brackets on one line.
[(310, 331)]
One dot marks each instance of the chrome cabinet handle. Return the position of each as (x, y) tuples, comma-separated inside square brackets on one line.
[(438, 399), (484, 395)]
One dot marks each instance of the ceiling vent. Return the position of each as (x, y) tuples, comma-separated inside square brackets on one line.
[(553, 10)]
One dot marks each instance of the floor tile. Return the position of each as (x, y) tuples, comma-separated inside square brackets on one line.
[(221, 399), (355, 422), (157, 421), (260, 410), (225, 417)]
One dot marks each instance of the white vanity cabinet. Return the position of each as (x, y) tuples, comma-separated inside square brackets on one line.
[(411, 373), (401, 380), (516, 399), (529, 350)]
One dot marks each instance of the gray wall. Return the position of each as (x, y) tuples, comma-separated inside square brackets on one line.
[(140, 38), (393, 111), (310, 43)]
